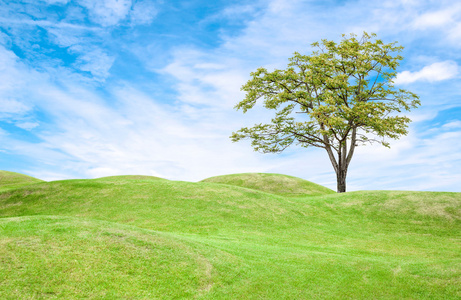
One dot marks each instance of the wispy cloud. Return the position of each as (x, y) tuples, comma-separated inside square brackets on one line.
[(96, 61), (435, 72), (143, 12), (45, 23), (27, 125), (107, 12), (452, 124), (60, 2), (206, 79), (13, 97), (112, 12), (444, 21), (84, 42), (12, 106), (437, 18)]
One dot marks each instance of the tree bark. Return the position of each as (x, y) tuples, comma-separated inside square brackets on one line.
[(341, 180), (343, 159), (340, 167)]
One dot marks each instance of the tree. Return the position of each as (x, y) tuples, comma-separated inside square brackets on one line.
[(339, 97)]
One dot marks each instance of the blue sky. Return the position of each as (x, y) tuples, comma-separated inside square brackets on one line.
[(97, 88)]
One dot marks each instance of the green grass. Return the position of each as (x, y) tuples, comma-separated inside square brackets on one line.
[(128, 177), (149, 238), (278, 184), (12, 180), (48, 256)]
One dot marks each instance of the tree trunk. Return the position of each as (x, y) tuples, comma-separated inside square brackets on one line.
[(341, 180), (341, 162)]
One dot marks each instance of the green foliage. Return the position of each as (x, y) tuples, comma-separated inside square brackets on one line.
[(340, 96), (159, 239), (337, 88)]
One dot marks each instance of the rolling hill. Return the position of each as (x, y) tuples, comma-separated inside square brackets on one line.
[(12, 180), (128, 177), (277, 184), (49, 256), (152, 238)]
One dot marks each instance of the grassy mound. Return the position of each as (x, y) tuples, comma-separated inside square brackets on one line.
[(277, 184), (360, 245), (12, 180), (123, 178)]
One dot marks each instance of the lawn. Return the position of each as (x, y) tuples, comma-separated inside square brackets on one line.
[(241, 236)]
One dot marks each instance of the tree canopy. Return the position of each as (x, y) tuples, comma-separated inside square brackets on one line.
[(340, 96)]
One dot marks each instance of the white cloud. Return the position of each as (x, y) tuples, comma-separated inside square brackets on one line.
[(143, 12), (96, 61), (78, 39), (27, 125), (45, 23), (435, 72), (436, 23), (454, 33), (438, 18), (14, 101), (237, 11), (7, 59), (452, 125), (3, 133), (414, 162), (206, 79), (444, 21), (102, 172), (107, 12), (12, 106), (64, 36), (46, 175), (62, 2)]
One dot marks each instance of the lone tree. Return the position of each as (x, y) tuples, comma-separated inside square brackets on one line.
[(339, 97)]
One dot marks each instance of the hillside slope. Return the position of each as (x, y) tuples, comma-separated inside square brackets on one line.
[(119, 178), (12, 180), (45, 256), (360, 245), (277, 184)]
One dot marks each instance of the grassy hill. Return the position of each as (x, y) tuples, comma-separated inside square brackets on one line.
[(128, 177), (277, 184), (12, 180), (145, 238), (49, 256)]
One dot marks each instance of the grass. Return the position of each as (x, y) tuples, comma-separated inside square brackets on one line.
[(136, 237), (12, 180), (48, 256), (278, 184), (120, 178)]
